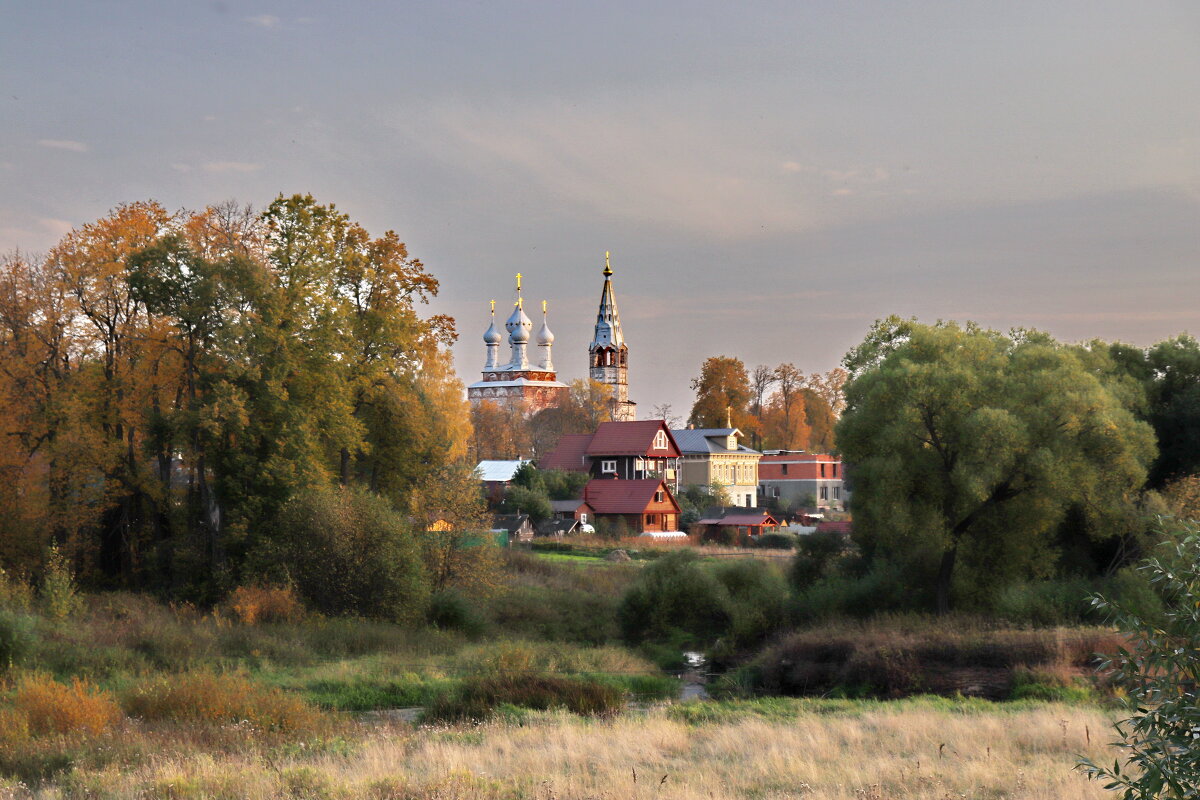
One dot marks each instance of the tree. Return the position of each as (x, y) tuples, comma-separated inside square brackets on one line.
[(966, 440), (821, 421), (667, 414), (1158, 670), (785, 419), (722, 395)]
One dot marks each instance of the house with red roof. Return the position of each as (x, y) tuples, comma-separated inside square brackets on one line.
[(636, 450), (745, 522), (645, 504)]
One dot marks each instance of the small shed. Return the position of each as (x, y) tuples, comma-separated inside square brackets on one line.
[(517, 526), (745, 521), (496, 476)]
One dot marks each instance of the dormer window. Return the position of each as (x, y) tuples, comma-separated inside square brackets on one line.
[(658, 496), (660, 440), (731, 442), (608, 467)]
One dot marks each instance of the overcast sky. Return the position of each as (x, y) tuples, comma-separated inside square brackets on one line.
[(770, 177)]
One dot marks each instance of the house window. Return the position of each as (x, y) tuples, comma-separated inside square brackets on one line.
[(785, 469), (824, 492), (660, 440), (822, 470), (835, 470), (608, 466), (837, 493), (652, 519), (583, 518), (658, 496)]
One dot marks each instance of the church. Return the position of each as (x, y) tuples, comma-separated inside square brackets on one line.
[(521, 382)]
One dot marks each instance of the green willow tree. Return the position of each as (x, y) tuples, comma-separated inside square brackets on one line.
[(968, 442)]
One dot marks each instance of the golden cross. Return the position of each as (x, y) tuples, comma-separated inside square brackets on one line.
[(543, 308), (518, 281), (607, 267), (493, 308)]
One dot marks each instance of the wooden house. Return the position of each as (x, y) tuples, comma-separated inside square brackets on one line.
[(645, 504), (637, 450)]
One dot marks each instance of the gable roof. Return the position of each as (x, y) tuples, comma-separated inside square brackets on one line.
[(701, 440), (498, 471), (560, 506), (510, 522), (611, 496), (634, 438), (751, 517), (569, 455)]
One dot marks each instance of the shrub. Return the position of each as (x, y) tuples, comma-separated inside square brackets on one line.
[(777, 541), (758, 597), (15, 593), (1051, 602), (351, 553), (53, 707), (479, 698), (1157, 672), (816, 555), (255, 604), (449, 610), (675, 595), (16, 638), (58, 594), (211, 698), (14, 727)]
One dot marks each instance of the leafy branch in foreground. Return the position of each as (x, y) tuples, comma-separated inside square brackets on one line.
[(1159, 670)]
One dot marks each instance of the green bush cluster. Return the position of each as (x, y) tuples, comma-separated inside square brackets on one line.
[(480, 698), (681, 600)]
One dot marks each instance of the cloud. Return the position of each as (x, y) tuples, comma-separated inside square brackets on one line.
[(64, 144), (263, 20), (231, 166)]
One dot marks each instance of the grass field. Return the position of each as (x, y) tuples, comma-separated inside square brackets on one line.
[(924, 749)]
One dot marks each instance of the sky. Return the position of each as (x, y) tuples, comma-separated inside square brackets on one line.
[(770, 177)]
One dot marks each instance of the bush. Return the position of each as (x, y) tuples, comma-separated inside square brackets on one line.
[(255, 604), (478, 699), (1157, 672), (53, 707), (15, 593), (16, 638), (675, 598), (758, 598), (817, 555), (58, 593), (217, 699), (349, 552), (449, 610), (777, 541), (1051, 602), (885, 588)]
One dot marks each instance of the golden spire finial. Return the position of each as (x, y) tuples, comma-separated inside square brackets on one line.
[(518, 281), (728, 416), (493, 308), (607, 267), (543, 308)]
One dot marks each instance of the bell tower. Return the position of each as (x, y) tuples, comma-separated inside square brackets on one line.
[(608, 357)]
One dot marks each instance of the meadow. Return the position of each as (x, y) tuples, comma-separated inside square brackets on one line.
[(529, 694)]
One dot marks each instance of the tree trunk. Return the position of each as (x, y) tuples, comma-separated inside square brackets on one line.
[(945, 573), (345, 466)]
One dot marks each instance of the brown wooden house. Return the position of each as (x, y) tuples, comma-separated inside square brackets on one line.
[(646, 504), (635, 450)]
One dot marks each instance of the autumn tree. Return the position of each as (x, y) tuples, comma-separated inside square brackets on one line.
[(974, 444), (723, 395)]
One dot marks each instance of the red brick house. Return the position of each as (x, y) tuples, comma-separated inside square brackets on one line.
[(646, 505)]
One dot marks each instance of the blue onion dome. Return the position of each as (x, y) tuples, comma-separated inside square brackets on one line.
[(492, 336)]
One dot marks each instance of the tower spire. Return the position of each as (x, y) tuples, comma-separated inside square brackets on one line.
[(607, 266)]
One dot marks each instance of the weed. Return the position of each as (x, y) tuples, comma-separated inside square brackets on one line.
[(255, 604), (211, 698), (53, 707)]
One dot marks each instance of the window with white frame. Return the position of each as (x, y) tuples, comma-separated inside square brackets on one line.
[(608, 466), (660, 440)]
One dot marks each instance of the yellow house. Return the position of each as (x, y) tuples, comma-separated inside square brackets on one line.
[(715, 455)]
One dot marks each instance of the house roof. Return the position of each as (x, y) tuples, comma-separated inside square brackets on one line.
[(569, 455), (557, 526), (634, 438), (567, 505), (611, 496), (498, 471), (701, 440), (509, 522), (761, 518)]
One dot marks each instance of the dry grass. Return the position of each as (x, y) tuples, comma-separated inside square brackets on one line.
[(207, 697), (52, 707), (254, 604), (901, 750)]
